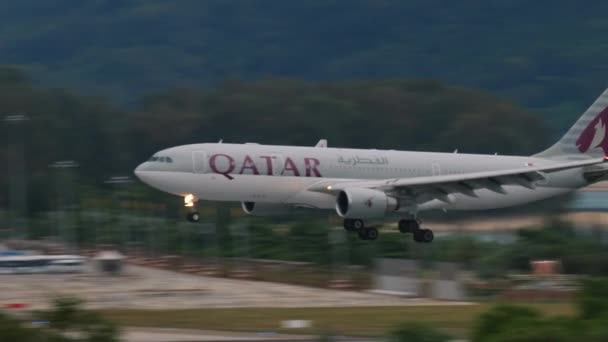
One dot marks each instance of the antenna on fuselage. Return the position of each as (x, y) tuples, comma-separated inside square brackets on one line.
[(221, 141), (322, 143)]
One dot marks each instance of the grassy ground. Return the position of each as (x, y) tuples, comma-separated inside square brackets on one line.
[(362, 321)]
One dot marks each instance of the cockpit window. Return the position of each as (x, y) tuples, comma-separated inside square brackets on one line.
[(161, 159)]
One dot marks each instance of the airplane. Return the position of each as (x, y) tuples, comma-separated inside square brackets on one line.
[(364, 186)]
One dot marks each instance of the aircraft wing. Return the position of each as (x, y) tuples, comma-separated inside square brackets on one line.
[(426, 188)]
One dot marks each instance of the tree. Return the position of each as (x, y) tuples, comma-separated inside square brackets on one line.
[(508, 323), (68, 316), (593, 298), (417, 332), (66, 322)]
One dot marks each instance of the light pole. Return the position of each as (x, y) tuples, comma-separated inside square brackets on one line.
[(65, 201), (17, 177), (117, 182), (337, 242)]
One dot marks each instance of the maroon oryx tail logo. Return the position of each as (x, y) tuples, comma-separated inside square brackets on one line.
[(594, 135)]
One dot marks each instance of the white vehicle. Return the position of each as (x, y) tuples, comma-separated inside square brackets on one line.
[(363, 186), (31, 264)]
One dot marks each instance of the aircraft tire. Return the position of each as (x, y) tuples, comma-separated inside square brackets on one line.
[(424, 235), (408, 226), (417, 235), (358, 224), (427, 235), (368, 233), (194, 216), (372, 233), (349, 225)]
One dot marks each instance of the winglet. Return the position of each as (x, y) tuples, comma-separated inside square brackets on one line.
[(322, 143)]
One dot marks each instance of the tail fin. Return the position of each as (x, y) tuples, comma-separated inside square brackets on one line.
[(588, 136)]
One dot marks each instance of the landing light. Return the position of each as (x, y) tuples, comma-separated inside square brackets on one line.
[(189, 200), (329, 187)]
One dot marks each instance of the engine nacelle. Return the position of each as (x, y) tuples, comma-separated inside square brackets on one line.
[(265, 209), (362, 203)]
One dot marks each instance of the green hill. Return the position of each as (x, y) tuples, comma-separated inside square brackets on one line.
[(547, 56)]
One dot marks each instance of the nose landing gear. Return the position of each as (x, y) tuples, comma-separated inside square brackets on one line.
[(190, 202), (193, 216)]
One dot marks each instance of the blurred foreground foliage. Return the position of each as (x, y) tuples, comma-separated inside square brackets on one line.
[(66, 321), (417, 332), (513, 323), (509, 323)]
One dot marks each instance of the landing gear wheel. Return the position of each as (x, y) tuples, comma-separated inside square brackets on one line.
[(358, 224), (408, 226), (424, 235), (427, 235), (418, 235), (368, 233), (349, 225), (372, 233), (194, 216)]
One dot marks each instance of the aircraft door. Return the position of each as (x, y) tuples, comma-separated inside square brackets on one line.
[(199, 162), (436, 169)]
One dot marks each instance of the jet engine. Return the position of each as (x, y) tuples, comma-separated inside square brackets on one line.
[(362, 203), (265, 209)]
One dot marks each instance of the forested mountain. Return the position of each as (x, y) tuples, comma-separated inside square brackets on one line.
[(105, 141), (549, 56)]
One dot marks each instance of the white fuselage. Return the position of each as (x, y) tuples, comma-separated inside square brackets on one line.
[(282, 174)]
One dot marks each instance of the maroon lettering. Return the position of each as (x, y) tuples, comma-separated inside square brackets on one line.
[(290, 166), (311, 167), (224, 164), (248, 164), (213, 164), (268, 164)]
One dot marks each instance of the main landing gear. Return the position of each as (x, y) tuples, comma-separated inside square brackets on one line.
[(406, 226), (189, 202), (357, 225), (413, 226)]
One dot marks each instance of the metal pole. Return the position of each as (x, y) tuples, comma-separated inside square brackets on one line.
[(120, 181), (18, 180), (67, 203)]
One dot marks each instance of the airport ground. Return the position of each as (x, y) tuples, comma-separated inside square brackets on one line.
[(457, 320), (147, 288), (140, 334), (163, 303)]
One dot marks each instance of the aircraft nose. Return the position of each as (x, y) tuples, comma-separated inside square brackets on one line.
[(139, 171)]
